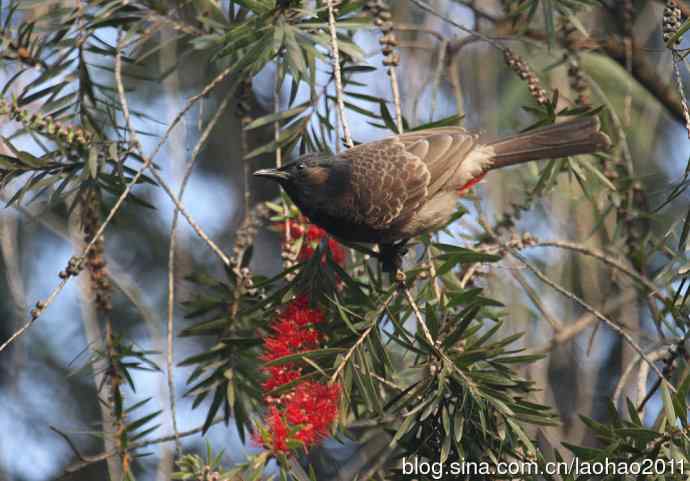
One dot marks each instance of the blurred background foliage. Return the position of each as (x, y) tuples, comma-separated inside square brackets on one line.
[(141, 266)]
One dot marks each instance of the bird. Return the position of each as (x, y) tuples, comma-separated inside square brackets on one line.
[(389, 191)]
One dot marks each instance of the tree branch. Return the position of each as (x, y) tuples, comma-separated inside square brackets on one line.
[(338, 77)]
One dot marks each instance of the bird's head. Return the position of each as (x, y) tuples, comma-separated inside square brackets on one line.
[(312, 180)]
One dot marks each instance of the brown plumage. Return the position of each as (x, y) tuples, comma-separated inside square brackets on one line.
[(390, 190)]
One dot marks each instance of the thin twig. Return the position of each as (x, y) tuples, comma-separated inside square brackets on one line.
[(555, 324), (277, 90), (653, 355), (620, 130), (171, 258), (171, 269), (71, 445), (681, 91), (380, 379), (193, 224), (406, 27), (606, 259), (669, 361), (190, 103), (95, 340), (11, 257), (438, 71), (427, 8), (455, 82), (396, 98), (171, 88), (116, 273), (147, 161), (589, 308), (433, 276), (338, 79), (420, 318), (573, 329), (42, 305), (361, 338), (427, 334), (288, 260), (86, 461)]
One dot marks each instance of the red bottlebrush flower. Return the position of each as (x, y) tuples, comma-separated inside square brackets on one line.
[(279, 376), (305, 415), (337, 251), (315, 233), (294, 227), (307, 412), (300, 312), (290, 337), (292, 333), (296, 230), (312, 408), (277, 437), (306, 253), (312, 236)]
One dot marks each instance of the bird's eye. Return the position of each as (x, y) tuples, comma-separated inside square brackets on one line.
[(301, 166)]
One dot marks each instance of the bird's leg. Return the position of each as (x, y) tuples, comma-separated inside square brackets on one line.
[(391, 256)]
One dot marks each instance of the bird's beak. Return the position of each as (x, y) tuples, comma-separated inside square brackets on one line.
[(274, 174)]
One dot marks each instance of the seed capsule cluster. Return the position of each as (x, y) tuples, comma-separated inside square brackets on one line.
[(243, 105), (95, 258), (74, 267), (571, 57), (577, 81), (45, 124), (520, 67), (383, 19), (672, 20), (243, 241)]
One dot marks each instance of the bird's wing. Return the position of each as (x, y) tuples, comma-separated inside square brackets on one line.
[(442, 150), (391, 178)]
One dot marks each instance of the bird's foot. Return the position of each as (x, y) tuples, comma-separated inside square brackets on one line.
[(391, 257), (400, 279)]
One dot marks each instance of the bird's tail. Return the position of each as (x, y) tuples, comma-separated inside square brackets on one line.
[(579, 136)]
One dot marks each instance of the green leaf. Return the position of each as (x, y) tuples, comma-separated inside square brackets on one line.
[(668, 403), (285, 137), (259, 7), (25, 100), (466, 316), (402, 429), (457, 254), (279, 116), (583, 452), (295, 56), (93, 162), (218, 399), (387, 118), (315, 354), (684, 232), (133, 426), (345, 46), (137, 405), (451, 121), (641, 435)]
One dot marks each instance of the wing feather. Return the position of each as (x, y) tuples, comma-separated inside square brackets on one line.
[(392, 178)]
